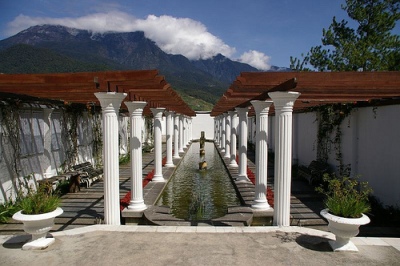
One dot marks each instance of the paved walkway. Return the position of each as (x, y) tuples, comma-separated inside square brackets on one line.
[(159, 245)]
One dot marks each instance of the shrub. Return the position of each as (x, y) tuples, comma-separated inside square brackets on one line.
[(345, 197), (41, 201)]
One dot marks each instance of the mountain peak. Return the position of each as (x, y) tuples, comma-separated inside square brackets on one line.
[(206, 79)]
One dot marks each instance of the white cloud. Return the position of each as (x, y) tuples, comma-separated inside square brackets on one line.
[(183, 36), (256, 59), (173, 35)]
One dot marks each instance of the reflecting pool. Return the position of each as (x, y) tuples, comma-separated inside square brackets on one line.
[(194, 194)]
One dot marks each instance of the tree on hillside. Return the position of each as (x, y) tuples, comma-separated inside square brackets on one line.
[(371, 46)]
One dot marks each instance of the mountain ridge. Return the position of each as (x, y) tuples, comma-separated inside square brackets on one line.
[(206, 79)]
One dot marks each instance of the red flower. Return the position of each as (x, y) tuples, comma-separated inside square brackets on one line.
[(270, 193), (124, 202)]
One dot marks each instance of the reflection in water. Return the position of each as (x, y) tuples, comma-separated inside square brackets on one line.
[(194, 194)]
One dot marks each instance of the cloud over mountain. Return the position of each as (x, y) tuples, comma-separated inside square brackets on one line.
[(173, 35), (256, 59)]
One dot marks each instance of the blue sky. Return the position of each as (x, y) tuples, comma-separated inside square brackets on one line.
[(259, 32)]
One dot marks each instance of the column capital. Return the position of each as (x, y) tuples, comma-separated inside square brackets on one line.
[(284, 99), (135, 107), (261, 107), (110, 98), (157, 112), (169, 112)]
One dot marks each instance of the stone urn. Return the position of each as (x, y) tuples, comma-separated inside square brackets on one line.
[(38, 225), (344, 229)]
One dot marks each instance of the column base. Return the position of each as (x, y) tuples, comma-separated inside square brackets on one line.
[(242, 179), (181, 151), (169, 165), (233, 165), (176, 157), (137, 206), (158, 178), (132, 217), (260, 205)]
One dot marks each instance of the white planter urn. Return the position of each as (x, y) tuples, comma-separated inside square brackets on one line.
[(38, 225), (344, 229)]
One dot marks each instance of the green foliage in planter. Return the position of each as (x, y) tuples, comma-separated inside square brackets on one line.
[(345, 197), (39, 202)]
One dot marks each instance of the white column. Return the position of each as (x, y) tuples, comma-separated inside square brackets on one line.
[(261, 109), (219, 129), (169, 125), (190, 129), (181, 134), (110, 104), (233, 116), (242, 176), (135, 115), (47, 141), (158, 175), (227, 136), (223, 135), (176, 136), (185, 132), (216, 130), (123, 135), (222, 147), (283, 102)]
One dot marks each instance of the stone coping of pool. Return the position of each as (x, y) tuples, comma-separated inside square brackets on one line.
[(236, 216)]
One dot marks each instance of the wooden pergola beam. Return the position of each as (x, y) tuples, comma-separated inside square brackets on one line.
[(80, 87)]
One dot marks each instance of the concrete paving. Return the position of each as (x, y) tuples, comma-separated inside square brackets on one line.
[(177, 245)]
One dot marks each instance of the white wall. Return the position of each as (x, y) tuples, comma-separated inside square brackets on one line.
[(305, 130), (375, 145), (370, 145), (44, 154), (203, 122)]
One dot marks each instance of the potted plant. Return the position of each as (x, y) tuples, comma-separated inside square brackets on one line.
[(346, 202), (38, 211)]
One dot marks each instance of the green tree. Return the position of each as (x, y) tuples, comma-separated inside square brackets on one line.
[(371, 46)]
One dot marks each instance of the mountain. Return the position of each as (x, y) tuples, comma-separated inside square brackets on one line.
[(49, 48), (23, 58)]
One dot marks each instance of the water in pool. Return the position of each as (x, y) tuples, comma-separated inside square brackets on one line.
[(194, 194)]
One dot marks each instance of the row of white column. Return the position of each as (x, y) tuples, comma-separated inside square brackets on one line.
[(225, 138), (177, 126)]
